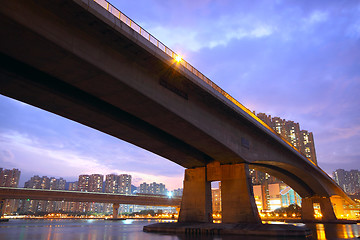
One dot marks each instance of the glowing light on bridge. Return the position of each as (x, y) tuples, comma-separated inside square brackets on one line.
[(170, 194), (178, 58)]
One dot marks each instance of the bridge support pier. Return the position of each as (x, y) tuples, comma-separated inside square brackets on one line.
[(115, 210), (196, 205), (338, 205), (326, 208), (238, 203), (237, 198)]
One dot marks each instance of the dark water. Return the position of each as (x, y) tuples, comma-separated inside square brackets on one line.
[(132, 230)]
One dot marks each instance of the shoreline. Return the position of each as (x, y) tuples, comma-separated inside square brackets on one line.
[(264, 220)]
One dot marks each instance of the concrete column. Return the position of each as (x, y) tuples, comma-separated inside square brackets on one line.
[(338, 205), (307, 209), (237, 198), (115, 210), (196, 205), (327, 210)]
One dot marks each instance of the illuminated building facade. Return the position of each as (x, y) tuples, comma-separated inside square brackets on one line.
[(55, 184), (10, 178), (44, 182), (289, 196), (118, 184), (216, 200), (111, 183), (153, 188), (74, 186), (36, 182), (178, 192), (144, 188), (349, 181), (307, 146), (90, 183), (268, 196), (71, 206), (96, 183), (301, 139), (271, 193), (125, 184), (83, 183)]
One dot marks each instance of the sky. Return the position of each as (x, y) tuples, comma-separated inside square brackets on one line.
[(298, 60)]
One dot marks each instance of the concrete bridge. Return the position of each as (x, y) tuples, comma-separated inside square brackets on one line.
[(75, 196), (87, 61)]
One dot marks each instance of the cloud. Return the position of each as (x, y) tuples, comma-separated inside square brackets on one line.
[(294, 59), (6, 157), (76, 150), (317, 17)]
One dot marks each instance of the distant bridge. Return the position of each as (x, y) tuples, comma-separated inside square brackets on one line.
[(76, 196), (87, 61)]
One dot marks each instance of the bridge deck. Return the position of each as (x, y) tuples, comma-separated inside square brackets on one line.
[(75, 196)]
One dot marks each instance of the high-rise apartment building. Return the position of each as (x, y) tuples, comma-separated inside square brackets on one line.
[(37, 182), (111, 186), (349, 181), (144, 188), (84, 183), (44, 182), (216, 199), (118, 184), (258, 177), (125, 184), (33, 206), (34, 182), (96, 183), (267, 188), (55, 184), (10, 178), (74, 186), (268, 196), (301, 139), (111, 183), (153, 188), (307, 146), (157, 188), (89, 183), (354, 179), (178, 192), (71, 206), (292, 131), (289, 196)]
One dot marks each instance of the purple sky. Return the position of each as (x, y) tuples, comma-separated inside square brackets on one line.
[(299, 60)]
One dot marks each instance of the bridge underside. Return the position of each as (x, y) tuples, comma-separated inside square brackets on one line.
[(76, 60)]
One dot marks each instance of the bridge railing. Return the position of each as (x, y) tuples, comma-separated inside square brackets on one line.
[(128, 21)]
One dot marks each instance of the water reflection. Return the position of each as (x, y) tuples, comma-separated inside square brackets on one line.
[(132, 230), (334, 231)]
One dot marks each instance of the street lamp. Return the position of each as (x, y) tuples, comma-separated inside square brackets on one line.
[(170, 194), (178, 58)]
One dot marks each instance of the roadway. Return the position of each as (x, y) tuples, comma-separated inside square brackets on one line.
[(76, 196)]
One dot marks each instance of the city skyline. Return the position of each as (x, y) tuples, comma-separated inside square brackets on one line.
[(308, 74)]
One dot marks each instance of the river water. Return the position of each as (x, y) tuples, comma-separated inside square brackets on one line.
[(19, 229)]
